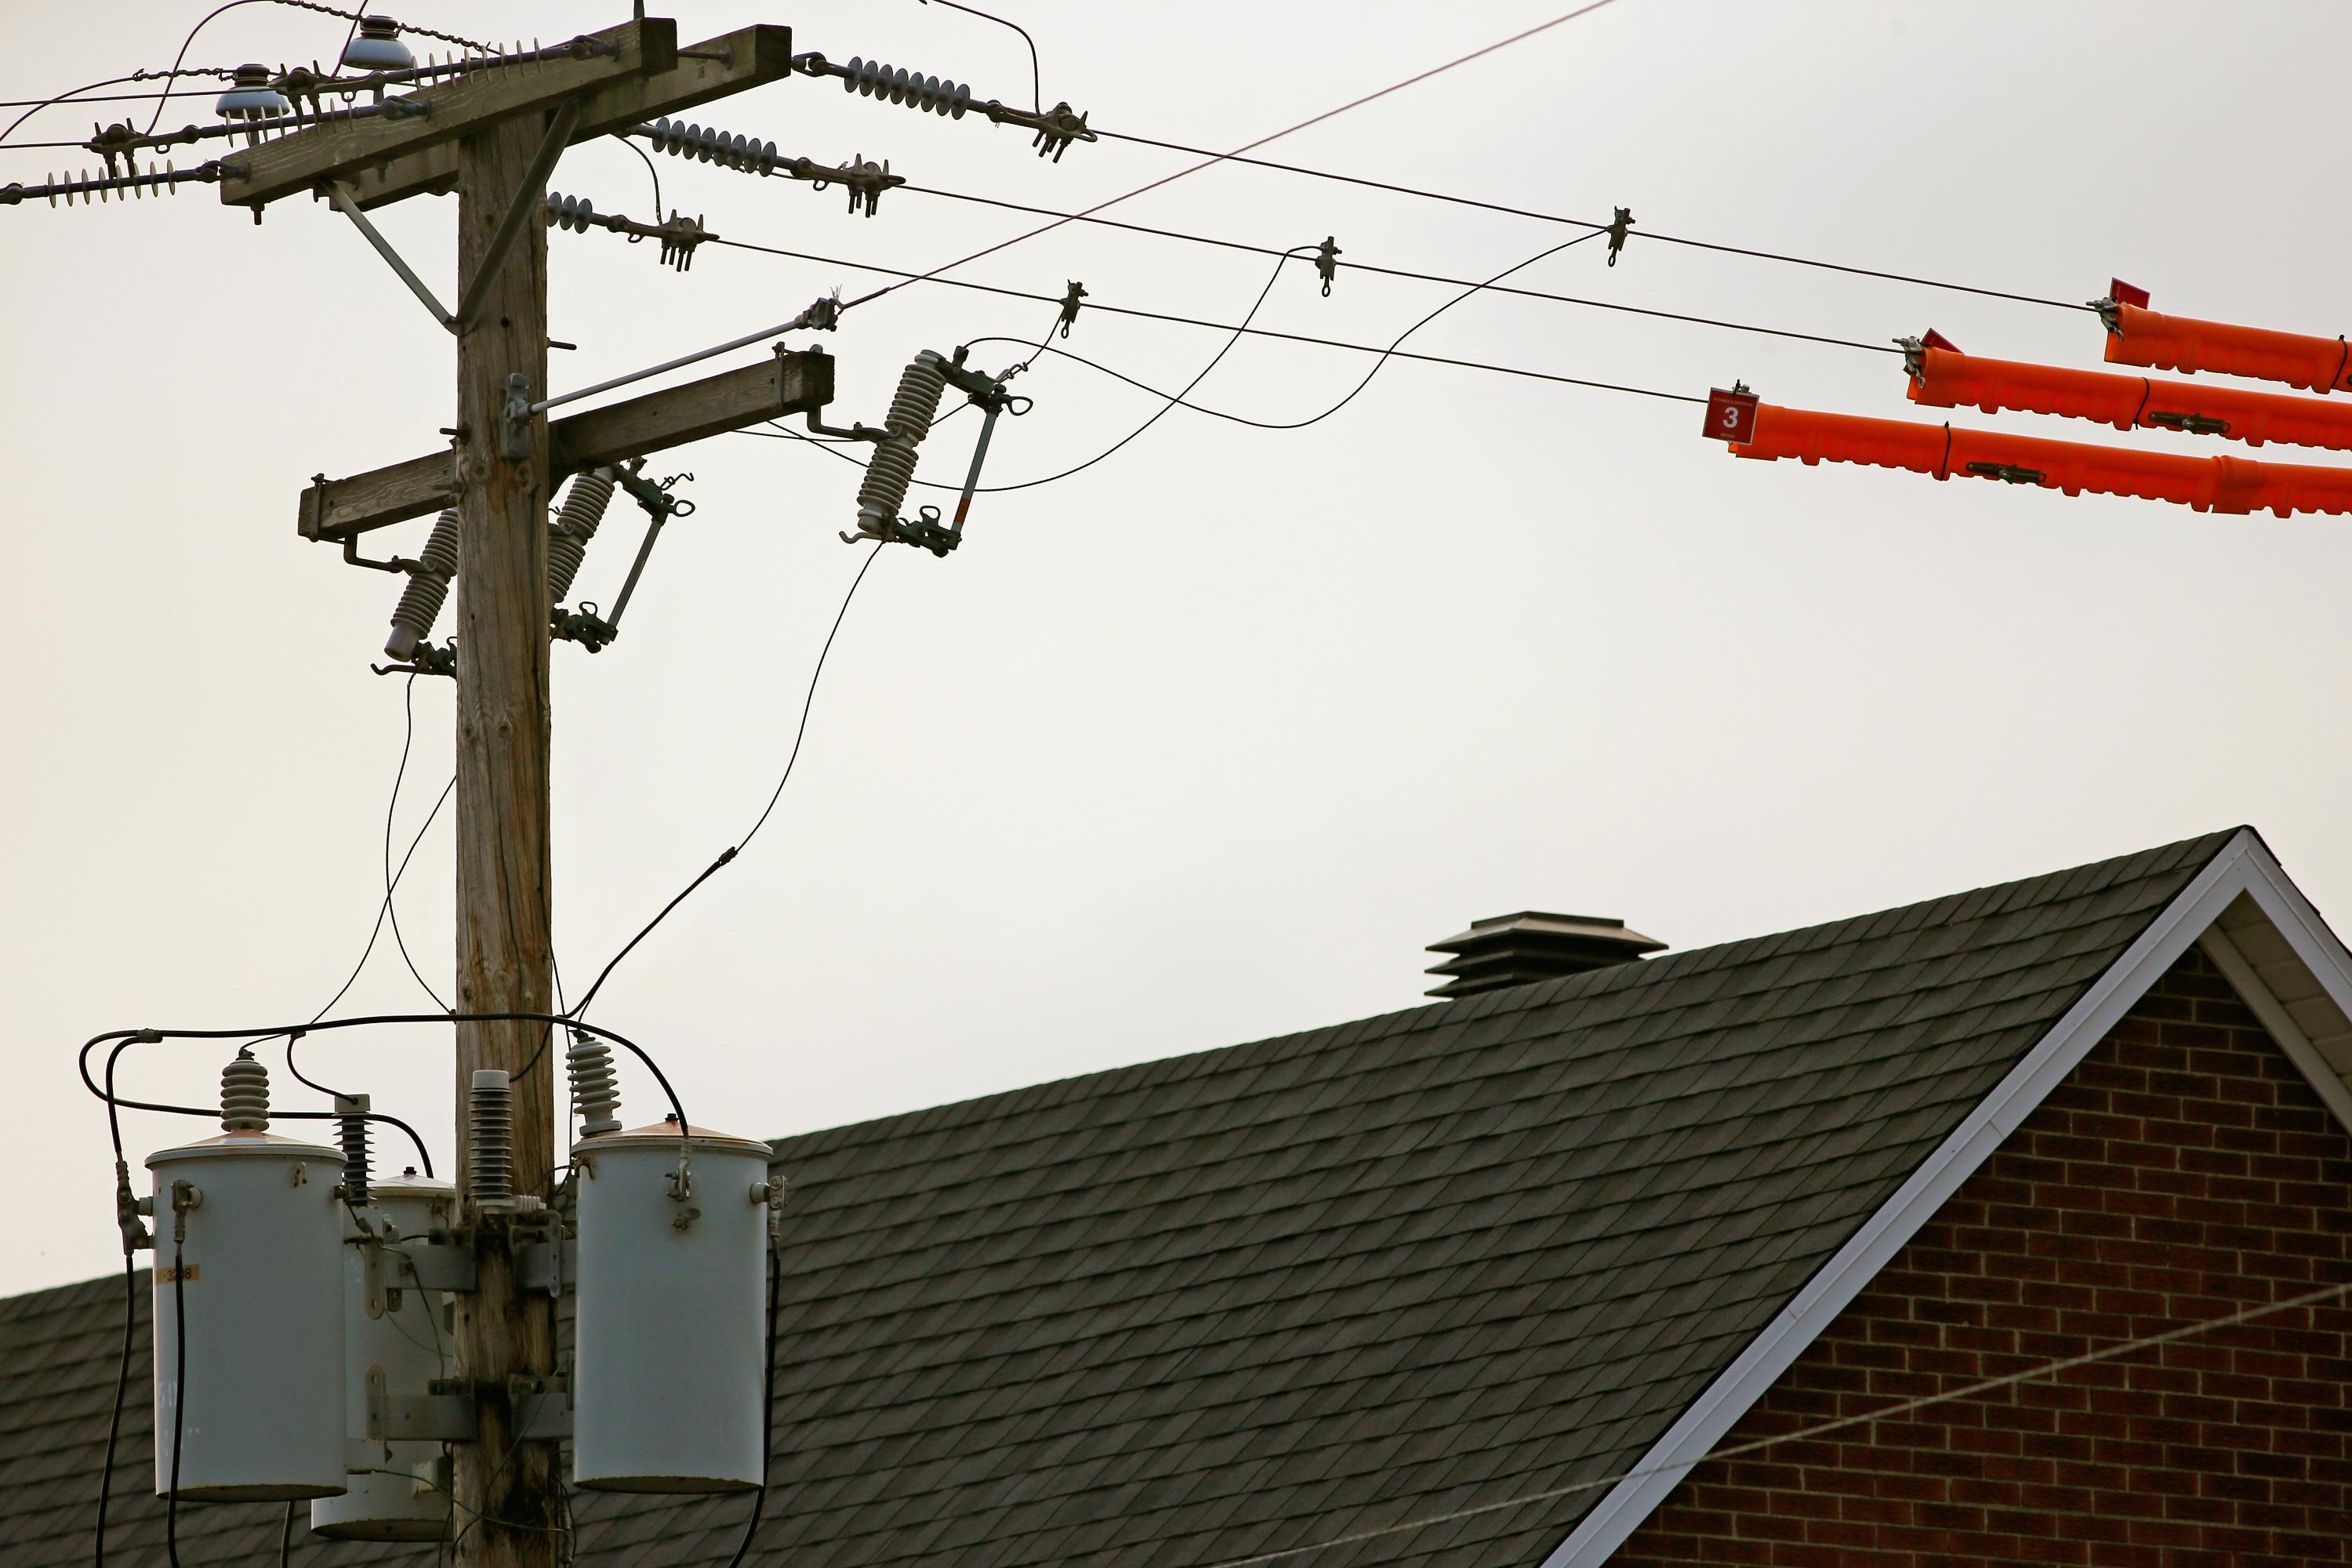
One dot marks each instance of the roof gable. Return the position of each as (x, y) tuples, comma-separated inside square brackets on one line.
[(1281, 1293)]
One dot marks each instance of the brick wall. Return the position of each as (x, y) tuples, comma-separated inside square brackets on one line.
[(2184, 1170)]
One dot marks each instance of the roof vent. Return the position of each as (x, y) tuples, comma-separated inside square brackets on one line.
[(1521, 949)]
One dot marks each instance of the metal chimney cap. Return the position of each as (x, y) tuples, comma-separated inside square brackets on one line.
[(1530, 946), (1537, 922)]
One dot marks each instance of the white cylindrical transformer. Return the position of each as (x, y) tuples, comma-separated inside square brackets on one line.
[(249, 1386), (395, 1342), (669, 1369)]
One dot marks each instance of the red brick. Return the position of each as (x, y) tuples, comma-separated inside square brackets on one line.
[(2184, 1170)]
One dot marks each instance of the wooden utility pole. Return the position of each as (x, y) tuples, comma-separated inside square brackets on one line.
[(493, 135), (505, 1490)]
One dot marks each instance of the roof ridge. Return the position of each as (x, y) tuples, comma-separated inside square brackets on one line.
[(2157, 859)]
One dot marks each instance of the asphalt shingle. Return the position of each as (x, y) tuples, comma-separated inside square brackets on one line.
[(1284, 1292)]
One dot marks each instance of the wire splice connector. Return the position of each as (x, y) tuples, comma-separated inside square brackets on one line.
[(678, 236)]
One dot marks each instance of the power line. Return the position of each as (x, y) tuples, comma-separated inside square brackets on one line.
[(1214, 326), (808, 701), (1587, 222), (1684, 1466), (1211, 158), (1417, 277)]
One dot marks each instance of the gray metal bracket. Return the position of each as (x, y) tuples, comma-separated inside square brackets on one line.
[(548, 1266), (435, 1265), (346, 203)]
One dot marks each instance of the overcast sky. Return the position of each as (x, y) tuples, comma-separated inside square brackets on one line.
[(1206, 743)]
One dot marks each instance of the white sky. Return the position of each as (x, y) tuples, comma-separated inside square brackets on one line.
[(1207, 742)]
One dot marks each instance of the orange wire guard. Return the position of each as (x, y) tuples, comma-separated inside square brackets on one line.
[(2184, 343), (2222, 484), (1949, 379)]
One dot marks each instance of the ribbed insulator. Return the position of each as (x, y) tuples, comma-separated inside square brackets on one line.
[(428, 588), (709, 144), (891, 468), (595, 1094), (245, 1095), (577, 214), (352, 1132), (872, 78), (575, 526), (489, 1166)]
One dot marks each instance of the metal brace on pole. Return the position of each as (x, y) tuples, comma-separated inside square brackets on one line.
[(523, 209)]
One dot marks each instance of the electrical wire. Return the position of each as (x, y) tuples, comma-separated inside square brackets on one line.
[(1214, 158), (1587, 222), (180, 1390), (123, 1039), (74, 94), (1839, 1424), (1419, 277), (767, 1415), (1216, 326), (121, 1382), (407, 739), (1036, 93), (808, 701)]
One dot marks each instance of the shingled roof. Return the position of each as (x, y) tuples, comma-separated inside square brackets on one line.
[(1282, 1293)]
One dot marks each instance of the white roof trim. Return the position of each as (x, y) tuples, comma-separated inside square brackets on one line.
[(2242, 867)]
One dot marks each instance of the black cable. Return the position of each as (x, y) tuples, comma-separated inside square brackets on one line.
[(1587, 222), (648, 163), (180, 1393), (767, 1415), (1036, 93), (430, 817), (128, 1037), (121, 1382), (407, 739), (74, 94), (1419, 277), (1214, 326), (286, 1529), (808, 701), (1522, 35)]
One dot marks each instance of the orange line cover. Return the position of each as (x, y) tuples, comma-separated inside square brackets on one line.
[(1949, 379), (2206, 484), (2185, 343)]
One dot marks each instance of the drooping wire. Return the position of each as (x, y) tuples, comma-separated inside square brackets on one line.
[(1804, 1433), (1636, 233), (1214, 326), (1419, 277), (121, 1383), (74, 94), (808, 701), (767, 1415), (407, 739), (1214, 158), (1036, 93)]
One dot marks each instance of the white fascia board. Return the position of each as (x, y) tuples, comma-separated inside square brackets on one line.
[(2317, 948), (2241, 865)]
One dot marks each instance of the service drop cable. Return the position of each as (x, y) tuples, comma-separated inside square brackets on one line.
[(408, 738), (1885, 1413), (808, 701)]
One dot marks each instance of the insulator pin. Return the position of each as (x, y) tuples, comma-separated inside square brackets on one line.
[(575, 526), (245, 1094), (892, 468), (595, 1096), (709, 144), (490, 1164), (428, 588), (351, 1134), (872, 78)]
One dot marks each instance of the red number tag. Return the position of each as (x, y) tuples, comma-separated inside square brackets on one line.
[(1731, 415)]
